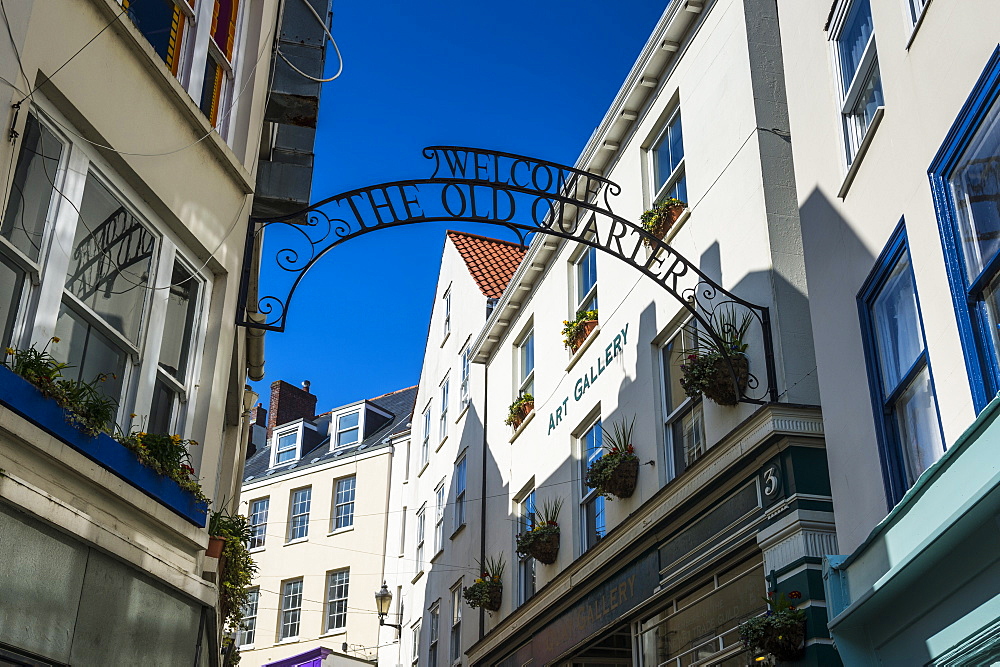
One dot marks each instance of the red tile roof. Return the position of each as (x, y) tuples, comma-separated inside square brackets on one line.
[(491, 262)]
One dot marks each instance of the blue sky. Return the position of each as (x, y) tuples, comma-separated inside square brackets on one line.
[(533, 78)]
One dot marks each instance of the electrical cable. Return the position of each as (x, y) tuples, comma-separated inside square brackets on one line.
[(329, 36)]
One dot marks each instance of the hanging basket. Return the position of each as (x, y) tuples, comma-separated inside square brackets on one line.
[(541, 544), (621, 482), (719, 387), (663, 222), (786, 642), (485, 594)]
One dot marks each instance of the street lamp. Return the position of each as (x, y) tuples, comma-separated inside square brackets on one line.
[(383, 600)]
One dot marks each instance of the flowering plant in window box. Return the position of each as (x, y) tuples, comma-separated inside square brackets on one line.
[(86, 407), (487, 590), (615, 474), (542, 541), (659, 219), (780, 632), (166, 454), (519, 410), (575, 332), (706, 366)]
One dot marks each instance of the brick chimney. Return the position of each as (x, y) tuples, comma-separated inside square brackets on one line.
[(289, 403), (259, 415)]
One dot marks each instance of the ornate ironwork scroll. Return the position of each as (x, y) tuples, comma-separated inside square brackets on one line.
[(523, 194)]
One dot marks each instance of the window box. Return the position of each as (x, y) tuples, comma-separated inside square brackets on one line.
[(22, 397), (575, 333), (661, 218), (519, 410)]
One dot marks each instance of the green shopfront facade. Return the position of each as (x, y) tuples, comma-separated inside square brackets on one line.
[(671, 584)]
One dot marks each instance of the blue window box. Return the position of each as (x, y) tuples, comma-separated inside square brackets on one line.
[(22, 397)]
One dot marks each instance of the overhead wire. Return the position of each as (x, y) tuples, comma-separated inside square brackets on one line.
[(333, 41)]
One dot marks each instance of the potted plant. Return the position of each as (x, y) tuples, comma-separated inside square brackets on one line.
[(780, 632), (659, 219), (487, 590), (575, 332), (86, 407), (616, 472), (519, 410), (236, 571), (220, 524), (542, 541), (706, 366), (168, 455)]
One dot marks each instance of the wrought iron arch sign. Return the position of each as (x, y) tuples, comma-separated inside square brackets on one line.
[(523, 194)]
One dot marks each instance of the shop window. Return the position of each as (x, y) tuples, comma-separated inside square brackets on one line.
[(860, 90), (684, 419), (592, 518), (905, 407), (965, 177)]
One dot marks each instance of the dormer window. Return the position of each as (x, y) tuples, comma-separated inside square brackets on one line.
[(287, 447), (348, 429)]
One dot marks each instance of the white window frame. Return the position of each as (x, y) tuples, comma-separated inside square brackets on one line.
[(915, 10), (335, 427), (331, 601), (849, 93), (258, 521), (461, 471), (588, 495), (421, 517), (455, 638), (433, 643), (439, 504), (296, 449), (466, 396), (447, 313), (339, 502), (293, 514), (415, 653), (248, 628), (525, 378), (660, 191), (583, 300), (402, 533), (287, 611), (526, 566), (44, 291), (443, 418), (425, 445), (681, 339)]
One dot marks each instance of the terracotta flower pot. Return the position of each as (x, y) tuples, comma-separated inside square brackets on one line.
[(663, 223), (215, 545), (721, 388), (523, 411), (584, 333), (622, 481)]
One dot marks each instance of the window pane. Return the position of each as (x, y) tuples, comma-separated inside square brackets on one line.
[(919, 432), (298, 527), (112, 259), (161, 23), (286, 447), (864, 109), (182, 306), (669, 152), (211, 89), (91, 354), (291, 606), (975, 186), (11, 286), (31, 190), (853, 38), (672, 358), (224, 25), (258, 522), (596, 526), (897, 325), (249, 625), (586, 279), (337, 600), (161, 409), (689, 437), (344, 503)]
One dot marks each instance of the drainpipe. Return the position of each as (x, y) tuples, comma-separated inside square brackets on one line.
[(483, 494), (255, 350)]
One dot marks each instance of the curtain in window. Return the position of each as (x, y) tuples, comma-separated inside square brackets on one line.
[(897, 326), (916, 414), (976, 189)]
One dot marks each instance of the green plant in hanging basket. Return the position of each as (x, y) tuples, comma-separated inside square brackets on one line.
[(615, 474), (576, 331), (519, 410), (661, 217), (487, 590), (780, 632), (705, 367), (542, 541)]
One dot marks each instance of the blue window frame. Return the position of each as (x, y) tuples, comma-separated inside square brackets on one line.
[(907, 422), (965, 180)]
